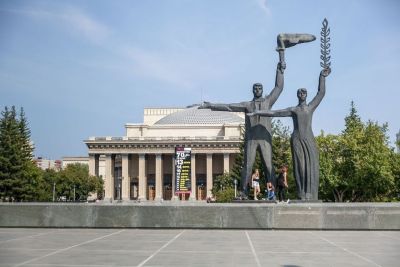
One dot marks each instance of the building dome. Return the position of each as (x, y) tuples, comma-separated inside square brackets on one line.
[(194, 115)]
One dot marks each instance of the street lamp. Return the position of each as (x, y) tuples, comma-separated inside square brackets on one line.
[(119, 196), (54, 191), (235, 182)]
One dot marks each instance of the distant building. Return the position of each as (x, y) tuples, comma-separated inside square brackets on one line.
[(141, 164), (84, 160), (46, 164)]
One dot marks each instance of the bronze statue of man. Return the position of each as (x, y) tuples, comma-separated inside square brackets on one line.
[(257, 129), (258, 134)]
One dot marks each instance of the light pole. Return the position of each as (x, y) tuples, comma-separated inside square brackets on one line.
[(119, 188), (74, 193), (235, 182), (54, 191)]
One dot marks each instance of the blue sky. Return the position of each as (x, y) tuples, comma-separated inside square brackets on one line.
[(85, 68)]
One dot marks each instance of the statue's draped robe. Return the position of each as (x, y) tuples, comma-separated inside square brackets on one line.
[(304, 149), (304, 154)]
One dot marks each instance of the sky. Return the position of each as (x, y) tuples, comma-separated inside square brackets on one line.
[(85, 68)]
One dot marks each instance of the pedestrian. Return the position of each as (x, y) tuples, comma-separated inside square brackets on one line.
[(270, 191), (255, 181), (282, 183)]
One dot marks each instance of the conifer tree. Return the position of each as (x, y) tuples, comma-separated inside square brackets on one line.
[(11, 164), (19, 177), (25, 137)]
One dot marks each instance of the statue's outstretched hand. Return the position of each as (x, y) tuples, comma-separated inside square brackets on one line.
[(282, 66), (326, 72), (251, 114)]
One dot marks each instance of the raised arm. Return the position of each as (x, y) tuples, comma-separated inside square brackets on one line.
[(234, 107), (287, 112), (275, 93), (321, 89)]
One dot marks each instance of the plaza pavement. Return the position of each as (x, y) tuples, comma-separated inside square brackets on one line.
[(189, 247)]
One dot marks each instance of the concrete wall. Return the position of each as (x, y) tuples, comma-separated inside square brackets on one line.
[(360, 216)]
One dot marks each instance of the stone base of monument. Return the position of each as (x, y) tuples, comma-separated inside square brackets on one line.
[(297, 201), (184, 214), (254, 201)]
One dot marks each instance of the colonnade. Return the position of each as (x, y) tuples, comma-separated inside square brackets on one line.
[(145, 176)]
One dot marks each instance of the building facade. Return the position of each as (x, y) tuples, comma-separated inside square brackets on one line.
[(141, 164)]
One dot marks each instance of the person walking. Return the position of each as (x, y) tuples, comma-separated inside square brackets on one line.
[(282, 183), (255, 182)]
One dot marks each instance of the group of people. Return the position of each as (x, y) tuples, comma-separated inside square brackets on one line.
[(282, 186)]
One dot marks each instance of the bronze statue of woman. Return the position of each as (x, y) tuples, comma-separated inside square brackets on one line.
[(304, 149)]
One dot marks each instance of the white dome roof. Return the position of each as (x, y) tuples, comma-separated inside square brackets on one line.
[(194, 115)]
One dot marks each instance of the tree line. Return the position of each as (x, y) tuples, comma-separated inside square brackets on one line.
[(357, 165), (22, 180)]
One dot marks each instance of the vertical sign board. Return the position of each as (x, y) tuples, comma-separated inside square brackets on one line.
[(182, 170)]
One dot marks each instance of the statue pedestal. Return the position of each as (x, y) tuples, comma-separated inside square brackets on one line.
[(304, 201)]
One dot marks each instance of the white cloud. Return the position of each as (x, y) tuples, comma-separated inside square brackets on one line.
[(71, 17), (90, 28), (264, 6), (157, 66)]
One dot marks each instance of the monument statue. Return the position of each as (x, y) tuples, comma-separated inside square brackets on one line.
[(304, 149), (258, 128)]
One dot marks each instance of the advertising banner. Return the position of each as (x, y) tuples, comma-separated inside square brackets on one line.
[(182, 170)]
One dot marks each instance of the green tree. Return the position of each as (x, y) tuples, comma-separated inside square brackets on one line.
[(356, 165), (11, 162), (365, 158), (75, 177), (223, 188), (395, 167), (31, 184), (51, 179), (236, 172), (280, 145), (331, 186), (25, 138), (282, 155), (375, 171), (20, 179)]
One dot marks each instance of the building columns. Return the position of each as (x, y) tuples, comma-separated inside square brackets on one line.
[(193, 195), (135, 166), (109, 178), (94, 164), (159, 183), (226, 162), (173, 180), (209, 174), (126, 179), (142, 178)]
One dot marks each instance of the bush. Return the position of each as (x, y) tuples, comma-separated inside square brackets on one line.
[(226, 195)]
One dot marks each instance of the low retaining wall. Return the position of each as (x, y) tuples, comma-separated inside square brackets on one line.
[(333, 216)]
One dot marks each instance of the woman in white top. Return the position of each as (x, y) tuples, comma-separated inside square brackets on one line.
[(255, 181)]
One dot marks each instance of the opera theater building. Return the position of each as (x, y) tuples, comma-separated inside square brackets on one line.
[(175, 153)]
